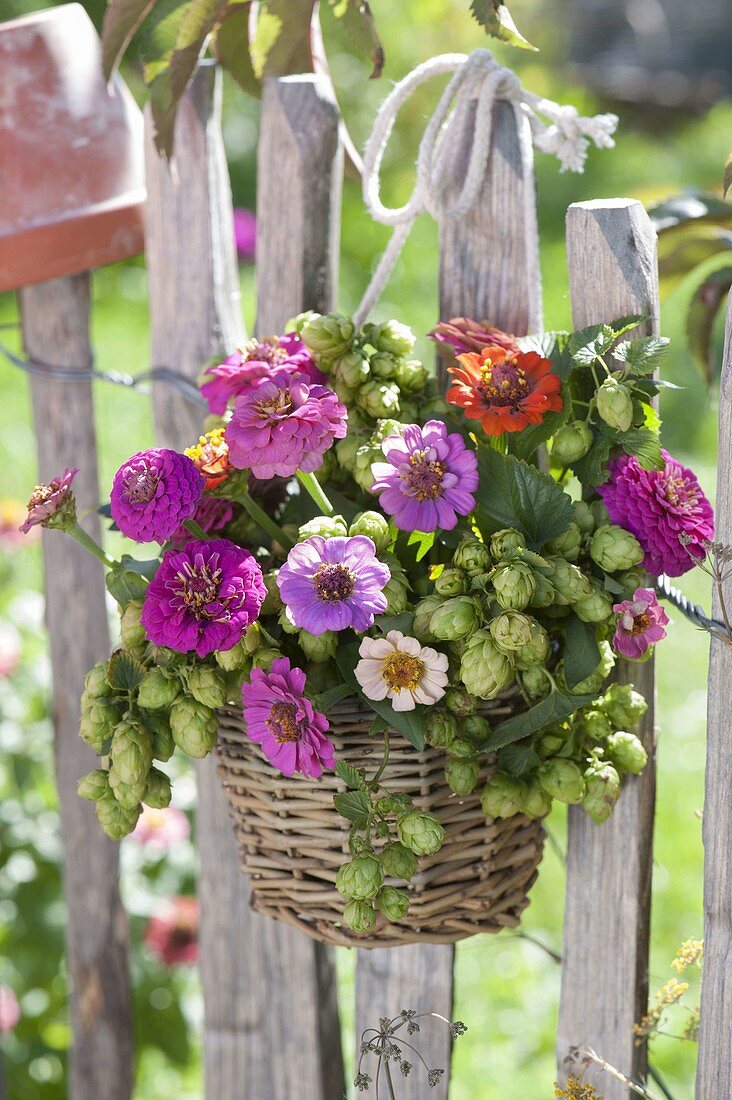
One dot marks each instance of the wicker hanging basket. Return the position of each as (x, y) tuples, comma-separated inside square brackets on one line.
[(292, 840)]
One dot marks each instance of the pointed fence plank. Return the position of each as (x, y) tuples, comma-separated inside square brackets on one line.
[(611, 249), (488, 271), (714, 1068), (56, 331), (271, 1025)]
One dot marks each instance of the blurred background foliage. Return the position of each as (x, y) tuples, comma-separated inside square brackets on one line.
[(508, 985)]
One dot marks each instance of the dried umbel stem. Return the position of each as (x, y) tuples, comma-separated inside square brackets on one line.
[(583, 1057), (390, 1048)]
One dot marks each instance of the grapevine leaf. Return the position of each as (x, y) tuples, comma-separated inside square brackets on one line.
[(514, 494)]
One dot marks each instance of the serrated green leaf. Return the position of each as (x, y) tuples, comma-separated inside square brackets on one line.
[(402, 622), (351, 776), (587, 344), (124, 673), (628, 323), (592, 470), (645, 444), (555, 708), (514, 494), (524, 444), (496, 20), (159, 36), (353, 805), (230, 46), (358, 22), (281, 42), (641, 356), (517, 759), (122, 18), (581, 655)]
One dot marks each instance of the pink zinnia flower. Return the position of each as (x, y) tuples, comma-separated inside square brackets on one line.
[(52, 505), (245, 232), (161, 829), (154, 492), (9, 1009), (280, 718), (284, 424), (665, 509), (251, 363), (463, 335), (172, 932), (640, 624)]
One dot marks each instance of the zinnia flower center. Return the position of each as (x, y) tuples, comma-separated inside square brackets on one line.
[(283, 722), (197, 588), (641, 623), (679, 493), (276, 406), (334, 582), (140, 486), (504, 383), (401, 670), (264, 352), (424, 477)]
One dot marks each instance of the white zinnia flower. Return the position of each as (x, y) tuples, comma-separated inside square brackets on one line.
[(398, 668)]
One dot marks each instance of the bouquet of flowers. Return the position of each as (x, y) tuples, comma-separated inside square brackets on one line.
[(343, 529)]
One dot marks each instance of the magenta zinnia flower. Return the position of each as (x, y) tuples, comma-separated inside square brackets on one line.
[(203, 597), (640, 624), (172, 932), (153, 493), (52, 505), (248, 365), (279, 717), (464, 335), (428, 478), (665, 509), (284, 424), (333, 584)]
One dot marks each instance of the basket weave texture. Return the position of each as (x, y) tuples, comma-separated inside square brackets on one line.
[(292, 840)]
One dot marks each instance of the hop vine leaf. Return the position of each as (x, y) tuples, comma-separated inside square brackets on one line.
[(497, 20)]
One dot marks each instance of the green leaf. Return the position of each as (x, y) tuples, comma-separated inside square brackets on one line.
[(586, 345), (727, 179), (496, 20), (160, 36), (592, 470), (524, 444), (230, 46), (124, 673), (642, 356), (553, 346), (197, 23), (423, 540), (581, 656), (514, 494), (358, 23), (122, 19), (645, 444), (403, 621), (628, 323), (351, 776), (354, 805), (555, 708), (518, 759), (281, 43)]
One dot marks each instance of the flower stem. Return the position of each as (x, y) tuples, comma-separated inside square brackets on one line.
[(374, 784), (265, 522), (89, 544), (311, 484), (195, 530)]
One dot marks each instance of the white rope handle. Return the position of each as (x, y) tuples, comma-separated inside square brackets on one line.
[(478, 79)]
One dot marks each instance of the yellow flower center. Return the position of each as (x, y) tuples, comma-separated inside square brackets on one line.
[(401, 671)]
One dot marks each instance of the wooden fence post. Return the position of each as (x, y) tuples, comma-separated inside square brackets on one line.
[(611, 251), (55, 318), (488, 271), (714, 1068), (271, 1025)]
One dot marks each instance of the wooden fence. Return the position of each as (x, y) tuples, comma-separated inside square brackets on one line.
[(271, 1028)]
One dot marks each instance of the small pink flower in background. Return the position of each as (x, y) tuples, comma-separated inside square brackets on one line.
[(640, 624), (172, 932), (12, 513), (161, 829), (52, 505), (9, 1009), (10, 650), (245, 232)]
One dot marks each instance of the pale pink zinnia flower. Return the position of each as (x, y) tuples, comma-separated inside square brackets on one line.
[(161, 829), (640, 624), (172, 932), (399, 669), (9, 1009), (52, 505)]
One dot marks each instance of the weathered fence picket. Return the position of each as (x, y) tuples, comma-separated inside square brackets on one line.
[(55, 318), (611, 252), (714, 1069)]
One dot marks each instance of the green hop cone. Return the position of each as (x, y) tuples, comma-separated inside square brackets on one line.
[(613, 548), (132, 631), (596, 725), (502, 796), (158, 689), (368, 451), (462, 775), (563, 780), (318, 647), (360, 916), (252, 639), (157, 790), (600, 513), (161, 736), (94, 785), (116, 821), (194, 727), (383, 366), (472, 556), (397, 588), (545, 593), (351, 369), (128, 795), (568, 544), (207, 686), (422, 832), (536, 650), (131, 752), (96, 684), (615, 404), (597, 608), (99, 716), (602, 791), (536, 802), (456, 619), (265, 657), (592, 683), (272, 601), (440, 728), (328, 527), (286, 623), (583, 517), (475, 728), (571, 443), (626, 752), (411, 376), (361, 878), (379, 399), (347, 449), (623, 705), (510, 631), (398, 861), (484, 670), (570, 583), (392, 903), (550, 744), (503, 543), (423, 617), (535, 682), (374, 526), (392, 337), (297, 323), (328, 337), (452, 582), (460, 702), (514, 585), (236, 659), (632, 579)]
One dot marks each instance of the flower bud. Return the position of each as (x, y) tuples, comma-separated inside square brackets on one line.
[(505, 542), (360, 916), (132, 632), (397, 587), (161, 736), (392, 903), (392, 337), (328, 337), (422, 832), (361, 878), (459, 702), (563, 780), (351, 369), (207, 686), (502, 796), (615, 404), (157, 792), (398, 861), (535, 802), (94, 785), (510, 631), (623, 705), (614, 548), (475, 728), (535, 682), (570, 583), (544, 592), (626, 752), (484, 670), (452, 582), (440, 728), (319, 647), (596, 725), (99, 716), (592, 683), (456, 619), (423, 617), (411, 376), (602, 791), (115, 820), (128, 795), (131, 752), (462, 775), (194, 727), (374, 526), (328, 527), (597, 608), (583, 517), (536, 650), (571, 443), (568, 544), (379, 399), (158, 689), (514, 585), (472, 556)]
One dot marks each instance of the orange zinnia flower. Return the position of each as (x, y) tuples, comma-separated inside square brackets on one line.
[(211, 456), (505, 390)]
